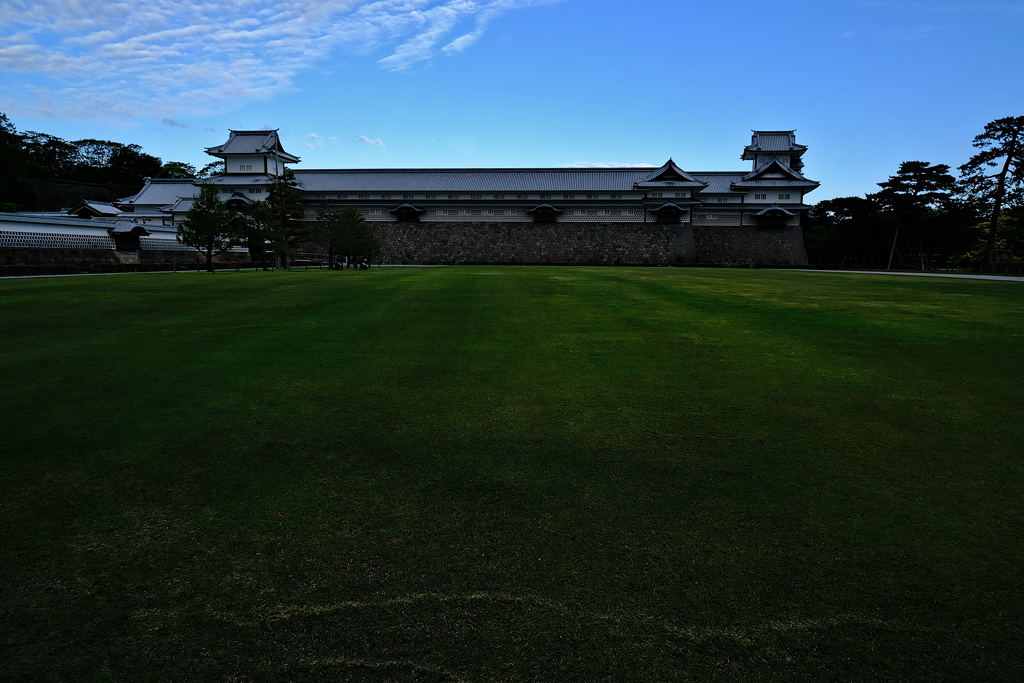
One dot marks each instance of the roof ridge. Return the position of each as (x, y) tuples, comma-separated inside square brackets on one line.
[(557, 169)]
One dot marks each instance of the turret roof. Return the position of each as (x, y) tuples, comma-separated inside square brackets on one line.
[(669, 175), (159, 192), (773, 141), (252, 142)]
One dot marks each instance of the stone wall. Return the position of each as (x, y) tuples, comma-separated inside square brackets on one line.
[(750, 245), (11, 256), (588, 243), (543, 243)]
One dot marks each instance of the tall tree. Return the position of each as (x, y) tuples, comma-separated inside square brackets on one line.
[(129, 165), (209, 226), (58, 157), (177, 169), (287, 227), (845, 227), (355, 237), (257, 230), (1002, 147), (15, 166), (212, 168), (908, 195), (328, 232)]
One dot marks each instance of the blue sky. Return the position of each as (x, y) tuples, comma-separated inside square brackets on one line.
[(498, 83)]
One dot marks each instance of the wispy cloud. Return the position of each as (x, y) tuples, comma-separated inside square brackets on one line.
[(600, 164), (174, 124), (369, 141), (105, 59)]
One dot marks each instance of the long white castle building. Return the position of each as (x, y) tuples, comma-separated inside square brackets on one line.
[(466, 215)]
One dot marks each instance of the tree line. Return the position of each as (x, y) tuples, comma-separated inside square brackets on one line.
[(273, 228), (30, 157), (925, 217)]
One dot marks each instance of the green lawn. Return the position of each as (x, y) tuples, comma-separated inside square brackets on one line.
[(524, 474)]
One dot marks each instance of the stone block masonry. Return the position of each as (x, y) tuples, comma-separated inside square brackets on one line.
[(586, 244), (750, 246), (10, 256)]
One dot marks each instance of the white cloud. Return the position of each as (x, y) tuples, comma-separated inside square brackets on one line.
[(171, 122), (600, 164), (202, 56), (369, 141)]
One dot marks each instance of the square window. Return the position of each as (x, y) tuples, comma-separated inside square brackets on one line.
[(783, 196), (568, 196)]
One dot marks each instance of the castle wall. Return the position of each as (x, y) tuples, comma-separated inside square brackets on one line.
[(745, 245), (10, 256), (588, 243)]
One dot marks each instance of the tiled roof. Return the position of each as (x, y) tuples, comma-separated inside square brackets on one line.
[(672, 206), (182, 204), (775, 166), (718, 182), (467, 180), (774, 208), (775, 141), (159, 192), (56, 224), (669, 175), (252, 142), (778, 182), (126, 227), (759, 177), (240, 179), (102, 208)]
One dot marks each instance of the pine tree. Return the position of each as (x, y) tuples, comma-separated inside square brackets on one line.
[(287, 228), (209, 226), (916, 187), (356, 237), (1002, 139)]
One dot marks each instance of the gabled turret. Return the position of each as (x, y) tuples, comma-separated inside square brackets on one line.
[(781, 144), (669, 176), (253, 151)]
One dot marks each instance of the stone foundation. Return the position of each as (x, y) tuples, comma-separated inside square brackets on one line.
[(587, 244), (750, 246), (29, 256)]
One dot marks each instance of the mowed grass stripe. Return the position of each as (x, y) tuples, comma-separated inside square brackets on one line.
[(488, 473)]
